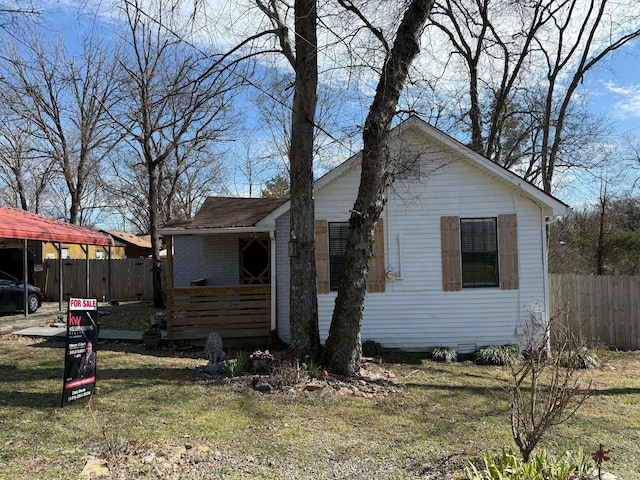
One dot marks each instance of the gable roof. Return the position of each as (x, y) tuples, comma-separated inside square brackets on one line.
[(556, 206), (143, 241), (23, 225), (259, 214), (227, 213)]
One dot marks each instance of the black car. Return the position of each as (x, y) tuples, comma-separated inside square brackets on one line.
[(12, 294)]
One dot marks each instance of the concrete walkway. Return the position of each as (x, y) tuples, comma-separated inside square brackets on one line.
[(44, 324), (61, 332)]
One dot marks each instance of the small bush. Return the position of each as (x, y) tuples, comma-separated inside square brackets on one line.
[(508, 466), (314, 370), (505, 355), (371, 348), (235, 366), (584, 359), (444, 354)]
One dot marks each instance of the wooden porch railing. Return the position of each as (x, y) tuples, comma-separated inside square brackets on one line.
[(241, 314)]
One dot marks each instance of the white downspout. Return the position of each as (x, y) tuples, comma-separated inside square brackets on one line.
[(387, 250), (545, 260), (272, 242), (398, 276)]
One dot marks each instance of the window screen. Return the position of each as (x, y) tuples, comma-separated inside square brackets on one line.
[(337, 242), (479, 249)]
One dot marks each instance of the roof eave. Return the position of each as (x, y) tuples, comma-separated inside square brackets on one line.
[(215, 230)]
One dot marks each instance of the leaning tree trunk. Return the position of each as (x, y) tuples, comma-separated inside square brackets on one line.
[(305, 338), (343, 347)]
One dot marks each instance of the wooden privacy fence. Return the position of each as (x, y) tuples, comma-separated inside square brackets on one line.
[(241, 314), (131, 279), (602, 307)]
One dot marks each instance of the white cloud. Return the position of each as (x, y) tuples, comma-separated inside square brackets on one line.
[(627, 102)]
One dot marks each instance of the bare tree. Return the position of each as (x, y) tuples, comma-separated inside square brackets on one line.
[(175, 102), (253, 163), (301, 53), (186, 180), (546, 388), (24, 177), (305, 337), (276, 187), (14, 13), (598, 239), (62, 102), (343, 346), (524, 62)]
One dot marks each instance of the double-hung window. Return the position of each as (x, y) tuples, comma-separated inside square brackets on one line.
[(338, 232), (479, 252), (331, 241)]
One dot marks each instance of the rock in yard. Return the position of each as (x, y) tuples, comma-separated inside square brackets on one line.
[(261, 385), (313, 386), (94, 468)]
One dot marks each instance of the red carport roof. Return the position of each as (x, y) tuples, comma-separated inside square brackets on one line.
[(23, 225)]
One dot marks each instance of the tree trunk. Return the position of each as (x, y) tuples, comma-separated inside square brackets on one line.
[(305, 338), (156, 266), (343, 347)]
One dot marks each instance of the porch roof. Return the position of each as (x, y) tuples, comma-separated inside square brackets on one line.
[(226, 213)]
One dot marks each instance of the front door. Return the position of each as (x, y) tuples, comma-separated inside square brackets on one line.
[(255, 261)]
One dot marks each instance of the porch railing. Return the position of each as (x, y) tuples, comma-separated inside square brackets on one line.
[(241, 314)]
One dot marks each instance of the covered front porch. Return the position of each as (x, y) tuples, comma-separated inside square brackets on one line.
[(233, 294), (241, 314), (221, 273)]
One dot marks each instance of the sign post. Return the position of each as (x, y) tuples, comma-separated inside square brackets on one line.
[(80, 351)]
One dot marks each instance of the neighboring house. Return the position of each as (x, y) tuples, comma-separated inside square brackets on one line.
[(72, 251), (135, 246), (460, 254)]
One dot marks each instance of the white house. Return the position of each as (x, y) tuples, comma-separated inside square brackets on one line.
[(460, 255)]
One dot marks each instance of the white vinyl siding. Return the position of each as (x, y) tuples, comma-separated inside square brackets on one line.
[(414, 313)]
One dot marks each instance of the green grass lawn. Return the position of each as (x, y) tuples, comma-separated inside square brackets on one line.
[(444, 414)]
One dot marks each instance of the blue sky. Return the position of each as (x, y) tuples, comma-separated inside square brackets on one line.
[(615, 91), (612, 89)]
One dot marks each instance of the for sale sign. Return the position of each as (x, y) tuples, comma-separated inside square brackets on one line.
[(80, 353)]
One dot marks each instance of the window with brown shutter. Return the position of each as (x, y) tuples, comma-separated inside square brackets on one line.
[(479, 252), (330, 241), (338, 232), (508, 251), (321, 237), (376, 281), (450, 251)]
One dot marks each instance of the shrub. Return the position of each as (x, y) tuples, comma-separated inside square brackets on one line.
[(314, 370), (444, 354), (508, 466), (545, 389), (153, 331), (585, 358), (371, 348), (235, 366), (505, 355)]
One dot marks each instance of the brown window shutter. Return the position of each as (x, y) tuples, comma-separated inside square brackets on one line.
[(508, 251), (321, 237), (376, 279), (450, 246)]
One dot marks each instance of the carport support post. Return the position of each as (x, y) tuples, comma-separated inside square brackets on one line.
[(25, 276), (60, 286), (109, 273), (85, 249)]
